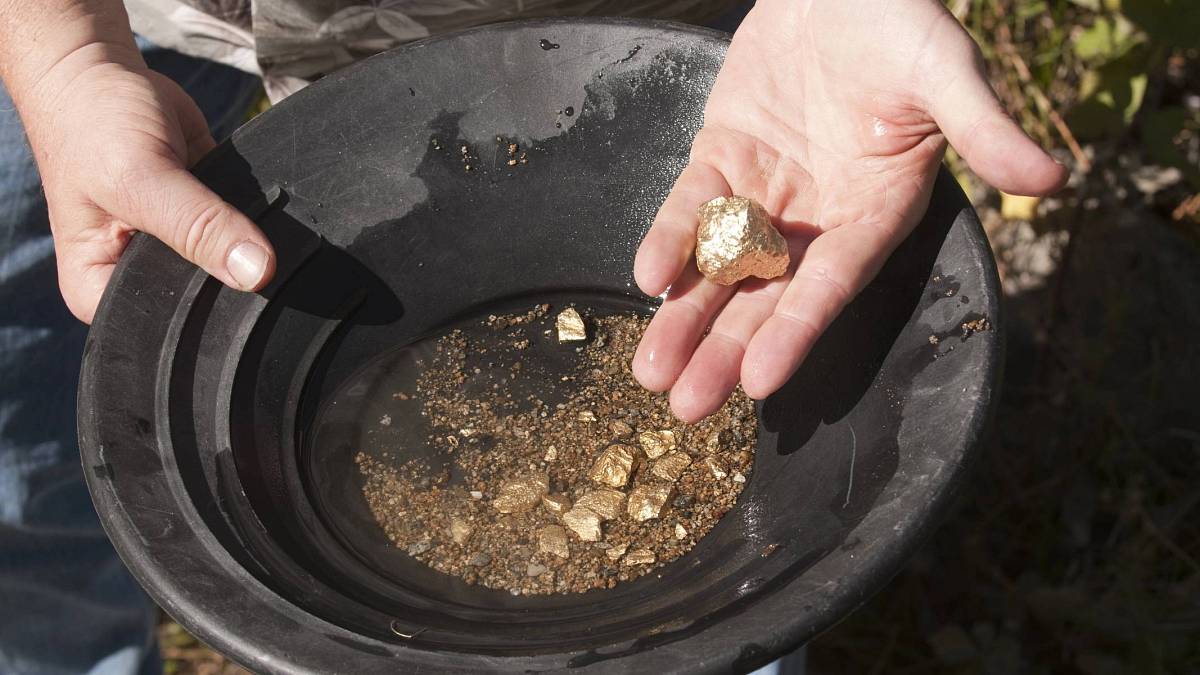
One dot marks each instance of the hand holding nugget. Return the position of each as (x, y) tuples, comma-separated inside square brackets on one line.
[(833, 116)]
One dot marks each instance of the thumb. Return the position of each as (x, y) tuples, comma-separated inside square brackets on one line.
[(179, 210), (969, 114)]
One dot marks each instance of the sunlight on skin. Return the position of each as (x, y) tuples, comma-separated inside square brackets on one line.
[(834, 116)]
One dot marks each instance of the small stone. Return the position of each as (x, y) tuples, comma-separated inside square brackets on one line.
[(476, 494), (386, 420), (657, 443), (619, 429), (672, 466), (535, 570), (615, 552), (680, 531), (585, 523), (613, 465), (556, 504), (605, 503), (521, 494), (639, 556), (736, 239), (460, 530), (419, 547), (551, 454), (552, 540), (479, 559), (646, 501), (587, 416), (570, 326), (738, 477), (715, 467)]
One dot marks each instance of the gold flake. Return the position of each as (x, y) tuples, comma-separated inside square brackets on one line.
[(570, 326), (657, 443), (715, 467), (587, 416), (605, 503), (615, 552), (738, 477), (551, 454), (556, 504), (680, 531), (583, 522), (736, 239), (639, 556), (672, 466), (613, 465), (646, 501), (552, 539), (521, 494)]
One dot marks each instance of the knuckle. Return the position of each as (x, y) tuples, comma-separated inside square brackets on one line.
[(199, 229)]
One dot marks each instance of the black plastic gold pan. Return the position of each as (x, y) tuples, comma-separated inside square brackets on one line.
[(198, 404)]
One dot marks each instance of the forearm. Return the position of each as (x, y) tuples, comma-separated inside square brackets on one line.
[(44, 44)]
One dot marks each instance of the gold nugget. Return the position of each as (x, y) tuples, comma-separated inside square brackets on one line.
[(737, 240), (556, 504), (583, 522), (657, 443), (613, 465), (552, 539), (521, 494), (639, 556), (570, 326), (460, 530), (606, 503), (646, 502), (672, 466), (715, 467)]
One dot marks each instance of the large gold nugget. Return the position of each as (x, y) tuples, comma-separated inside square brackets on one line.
[(646, 502), (605, 503), (521, 494), (737, 240), (613, 466)]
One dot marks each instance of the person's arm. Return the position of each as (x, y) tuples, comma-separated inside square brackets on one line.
[(834, 115), (112, 141)]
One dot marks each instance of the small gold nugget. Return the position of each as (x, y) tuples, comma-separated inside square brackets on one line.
[(612, 467), (615, 552), (556, 504), (583, 522), (657, 443), (460, 530), (521, 494), (606, 503), (737, 240), (553, 540), (570, 326), (639, 556), (646, 502), (672, 466)]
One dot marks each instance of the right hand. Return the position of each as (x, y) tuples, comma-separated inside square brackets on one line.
[(113, 140)]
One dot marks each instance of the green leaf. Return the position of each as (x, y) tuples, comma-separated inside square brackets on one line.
[(1106, 39), (1111, 95)]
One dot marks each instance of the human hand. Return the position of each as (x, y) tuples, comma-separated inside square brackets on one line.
[(834, 116), (112, 140)]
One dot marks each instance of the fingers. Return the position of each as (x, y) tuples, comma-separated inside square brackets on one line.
[(969, 114), (677, 327), (713, 371), (669, 244), (836, 266), (178, 209)]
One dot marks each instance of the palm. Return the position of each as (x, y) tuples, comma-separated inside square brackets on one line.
[(824, 115)]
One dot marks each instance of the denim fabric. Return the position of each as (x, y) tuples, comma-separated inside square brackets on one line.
[(67, 603)]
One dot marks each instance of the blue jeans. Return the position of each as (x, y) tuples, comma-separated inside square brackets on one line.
[(67, 603)]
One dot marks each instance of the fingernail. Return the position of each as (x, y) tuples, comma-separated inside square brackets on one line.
[(247, 263)]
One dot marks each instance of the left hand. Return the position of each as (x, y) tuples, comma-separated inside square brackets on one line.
[(834, 116)]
